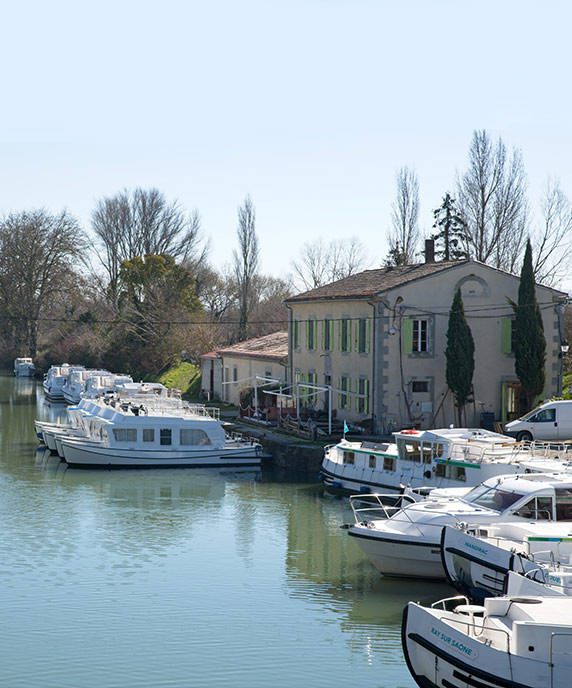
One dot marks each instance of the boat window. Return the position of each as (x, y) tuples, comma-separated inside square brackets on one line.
[(125, 434), (426, 450), (492, 497), (537, 507), (165, 436), (563, 504), (413, 451), (372, 461), (388, 463), (444, 470), (438, 450), (190, 436), (349, 457), (148, 435)]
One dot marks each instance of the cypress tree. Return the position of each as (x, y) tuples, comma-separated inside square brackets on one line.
[(529, 343), (460, 355)]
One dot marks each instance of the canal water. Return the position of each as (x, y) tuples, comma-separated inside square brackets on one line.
[(182, 578)]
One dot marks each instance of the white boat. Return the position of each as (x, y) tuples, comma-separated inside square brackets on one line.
[(407, 541), (135, 435), (447, 457), (509, 642), (54, 380), (477, 561), (74, 385), (24, 367)]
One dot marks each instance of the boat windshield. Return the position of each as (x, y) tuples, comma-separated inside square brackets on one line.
[(492, 497)]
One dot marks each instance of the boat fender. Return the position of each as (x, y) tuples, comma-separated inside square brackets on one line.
[(427, 474), (410, 432)]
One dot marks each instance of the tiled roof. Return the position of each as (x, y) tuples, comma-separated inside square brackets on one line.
[(272, 346), (210, 354), (371, 282)]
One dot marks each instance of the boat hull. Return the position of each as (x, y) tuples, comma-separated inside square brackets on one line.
[(437, 655), (93, 456), (403, 557)]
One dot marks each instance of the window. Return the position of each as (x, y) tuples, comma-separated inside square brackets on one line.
[(362, 335), (420, 386), (538, 508), (388, 463), (345, 333), (413, 451), (372, 461), (190, 436), (508, 330), (235, 374), (296, 334), (349, 458), (344, 402), (125, 435), (544, 416), (563, 504), (416, 336), (327, 334), (363, 400), (311, 334), (420, 338), (148, 435), (165, 436)]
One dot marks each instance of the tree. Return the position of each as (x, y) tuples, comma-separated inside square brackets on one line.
[(492, 202), (450, 239), (158, 305), (320, 263), (553, 239), (529, 343), (404, 237), (39, 255), (245, 260), (140, 223), (460, 356)]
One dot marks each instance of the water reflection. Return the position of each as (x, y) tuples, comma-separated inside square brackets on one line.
[(170, 559)]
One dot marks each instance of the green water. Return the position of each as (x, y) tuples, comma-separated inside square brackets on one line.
[(182, 578)]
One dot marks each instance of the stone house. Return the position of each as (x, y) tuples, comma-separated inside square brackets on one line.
[(377, 339), (229, 371)]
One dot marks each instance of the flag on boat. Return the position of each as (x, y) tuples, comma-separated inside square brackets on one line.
[(345, 427)]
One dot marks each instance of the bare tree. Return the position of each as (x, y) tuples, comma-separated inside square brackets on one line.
[(39, 254), (245, 260), (320, 264), (404, 236), (492, 202), (141, 223), (553, 238)]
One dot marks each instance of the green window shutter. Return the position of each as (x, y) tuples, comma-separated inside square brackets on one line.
[(315, 333), (366, 392), (331, 326), (407, 336), (367, 336), (324, 326), (340, 395), (349, 336), (340, 330), (506, 335), (357, 335), (308, 325), (504, 399)]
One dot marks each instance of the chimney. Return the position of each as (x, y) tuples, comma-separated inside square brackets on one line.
[(429, 251)]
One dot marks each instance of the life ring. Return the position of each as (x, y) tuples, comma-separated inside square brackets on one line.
[(410, 432)]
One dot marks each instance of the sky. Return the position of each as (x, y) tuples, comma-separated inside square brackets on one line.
[(308, 106)]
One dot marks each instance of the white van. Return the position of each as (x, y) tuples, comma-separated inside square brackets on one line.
[(549, 421)]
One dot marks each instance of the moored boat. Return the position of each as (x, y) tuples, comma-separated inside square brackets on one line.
[(24, 367), (444, 458), (407, 541), (512, 641)]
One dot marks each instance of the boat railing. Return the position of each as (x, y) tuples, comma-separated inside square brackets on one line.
[(477, 631), (477, 452), (376, 506), (239, 438)]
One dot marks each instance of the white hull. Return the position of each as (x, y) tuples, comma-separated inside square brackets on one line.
[(403, 557), (446, 654), (84, 454)]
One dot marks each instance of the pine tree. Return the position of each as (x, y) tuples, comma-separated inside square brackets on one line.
[(450, 240), (529, 343), (460, 355)]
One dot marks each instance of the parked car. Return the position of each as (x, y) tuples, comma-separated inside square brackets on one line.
[(547, 422)]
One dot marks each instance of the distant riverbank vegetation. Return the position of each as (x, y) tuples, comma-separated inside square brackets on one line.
[(137, 295)]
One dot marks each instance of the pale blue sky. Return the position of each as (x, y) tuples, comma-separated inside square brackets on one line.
[(310, 106)]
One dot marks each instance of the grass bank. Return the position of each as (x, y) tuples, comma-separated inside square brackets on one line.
[(181, 375)]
